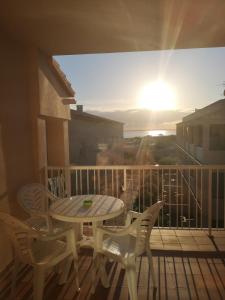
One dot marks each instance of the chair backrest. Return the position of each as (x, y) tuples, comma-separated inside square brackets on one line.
[(57, 185), (143, 226), (21, 237), (35, 197)]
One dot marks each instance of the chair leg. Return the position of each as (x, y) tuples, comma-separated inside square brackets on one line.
[(94, 272), (38, 282), (66, 269), (103, 275), (132, 281), (14, 275), (75, 257), (149, 253), (58, 268)]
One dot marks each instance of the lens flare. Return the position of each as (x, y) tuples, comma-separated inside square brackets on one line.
[(157, 96)]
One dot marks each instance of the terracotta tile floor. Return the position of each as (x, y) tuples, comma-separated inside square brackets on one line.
[(187, 240)]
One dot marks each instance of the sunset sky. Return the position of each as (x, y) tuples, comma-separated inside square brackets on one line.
[(179, 80)]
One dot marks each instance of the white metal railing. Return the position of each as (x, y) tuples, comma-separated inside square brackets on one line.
[(194, 194)]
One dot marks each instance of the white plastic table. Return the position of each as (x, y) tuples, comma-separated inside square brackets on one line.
[(72, 210)]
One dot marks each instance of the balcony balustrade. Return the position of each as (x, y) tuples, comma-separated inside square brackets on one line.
[(194, 195)]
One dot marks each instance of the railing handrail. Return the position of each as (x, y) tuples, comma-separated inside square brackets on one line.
[(142, 167), (194, 194)]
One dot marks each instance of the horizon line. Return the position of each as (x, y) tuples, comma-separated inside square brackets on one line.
[(149, 129)]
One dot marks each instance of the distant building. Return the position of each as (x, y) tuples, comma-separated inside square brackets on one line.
[(90, 134), (202, 133)]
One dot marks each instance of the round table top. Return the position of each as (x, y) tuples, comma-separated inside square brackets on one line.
[(72, 209)]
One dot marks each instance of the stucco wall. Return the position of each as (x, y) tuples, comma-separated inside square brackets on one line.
[(28, 98), (16, 128), (5, 252), (42, 146), (16, 156), (57, 142), (214, 157), (83, 139), (86, 134), (204, 154), (51, 91)]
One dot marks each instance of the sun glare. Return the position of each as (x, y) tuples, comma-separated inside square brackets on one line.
[(157, 96)]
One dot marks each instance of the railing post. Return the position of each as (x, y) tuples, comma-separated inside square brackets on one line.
[(46, 176), (124, 179), (68, 181), (210, 202)]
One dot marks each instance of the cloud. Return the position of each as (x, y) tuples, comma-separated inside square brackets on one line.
[(142, 119)]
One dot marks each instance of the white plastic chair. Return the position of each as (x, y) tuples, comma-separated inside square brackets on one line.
[(125, 245), (35, 199), (42, 255)]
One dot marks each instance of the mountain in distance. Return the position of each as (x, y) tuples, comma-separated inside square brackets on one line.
[(142, 119)]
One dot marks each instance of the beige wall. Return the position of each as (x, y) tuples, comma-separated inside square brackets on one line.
[(203, 153), (16, 155), (51, 91), (85, 134), (57, 142), (16, 124), (42, 146), (5, 253), (29, 94)]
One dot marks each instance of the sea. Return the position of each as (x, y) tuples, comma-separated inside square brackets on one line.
[(142, 133)]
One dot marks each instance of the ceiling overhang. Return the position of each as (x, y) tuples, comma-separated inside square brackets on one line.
[(99, 26)]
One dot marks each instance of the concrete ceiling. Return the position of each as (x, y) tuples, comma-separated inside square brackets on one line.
[(98, 26)]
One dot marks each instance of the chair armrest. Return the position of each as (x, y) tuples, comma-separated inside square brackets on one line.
[(45, 216), (119, 232), (37, 213), (130, 216), (101, 231), (133, 213), (50, 236), (52, 197)]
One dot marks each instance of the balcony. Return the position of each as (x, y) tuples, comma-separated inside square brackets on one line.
[(188, 242), (194, 272)]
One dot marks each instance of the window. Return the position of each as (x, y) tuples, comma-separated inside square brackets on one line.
[(190, 136), (217, 137), (198, 135)]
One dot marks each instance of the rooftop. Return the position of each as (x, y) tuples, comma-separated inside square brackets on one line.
[(62, 77), (211, 108), (83, 115)]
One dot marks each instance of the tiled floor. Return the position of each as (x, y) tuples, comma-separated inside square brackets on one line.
[(187, 240)]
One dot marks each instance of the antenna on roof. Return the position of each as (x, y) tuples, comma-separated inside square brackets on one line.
[(222, 84), (80, 107)]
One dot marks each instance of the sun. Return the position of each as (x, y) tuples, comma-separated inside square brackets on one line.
[(157, 95)]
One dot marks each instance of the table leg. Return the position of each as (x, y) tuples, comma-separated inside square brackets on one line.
[(99, 262)]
